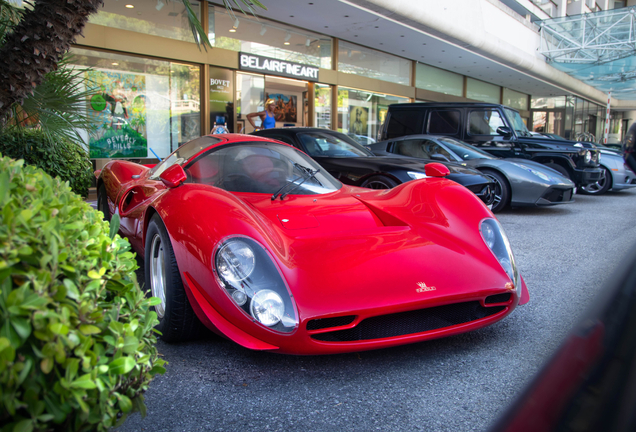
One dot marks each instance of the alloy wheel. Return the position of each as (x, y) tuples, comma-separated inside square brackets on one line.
[(158, 274)]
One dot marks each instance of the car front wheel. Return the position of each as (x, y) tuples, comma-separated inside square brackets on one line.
[(600, 187), (379, 182), (102, 202), (502, 190), (177, 320)]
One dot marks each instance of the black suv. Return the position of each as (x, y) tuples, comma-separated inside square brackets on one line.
[(497, 129)]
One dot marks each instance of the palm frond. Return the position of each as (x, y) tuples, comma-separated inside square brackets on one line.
[(200, 35), (58, 106), (10, 15)]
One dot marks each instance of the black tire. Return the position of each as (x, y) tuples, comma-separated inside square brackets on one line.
[(501, 190), (177, 320), (600, 187), (102, 202), (558, 168), (379, 182)]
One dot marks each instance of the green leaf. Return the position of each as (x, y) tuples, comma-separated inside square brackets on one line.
[(154, 301), (59, 328), (84, 382), (114, 225), (4, 187), (130, 345), (22, 326), (88, 329), (122, 365), (124, 403), (23, 426)]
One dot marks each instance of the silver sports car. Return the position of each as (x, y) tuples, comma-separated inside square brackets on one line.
[(617, 174), (519, 182)]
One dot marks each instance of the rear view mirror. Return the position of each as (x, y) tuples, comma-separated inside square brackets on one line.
[(436, 170), (173, 176), (504, 130)]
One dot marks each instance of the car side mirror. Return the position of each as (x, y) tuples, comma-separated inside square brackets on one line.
[(173, 176), (435, 169), (439, 157), (504, 130)]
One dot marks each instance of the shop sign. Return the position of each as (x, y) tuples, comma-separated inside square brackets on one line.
[(271, 66)]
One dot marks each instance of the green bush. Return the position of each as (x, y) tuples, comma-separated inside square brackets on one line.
[(77, 345), (63, 158)]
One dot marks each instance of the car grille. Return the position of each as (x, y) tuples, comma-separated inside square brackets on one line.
[(321, 323), (405, 323), (558, 195)]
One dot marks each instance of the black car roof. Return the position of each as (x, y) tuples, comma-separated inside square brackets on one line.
[(447, 105)]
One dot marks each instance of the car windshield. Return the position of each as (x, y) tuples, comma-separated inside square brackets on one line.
[(463, 150), (261, 167), (517, 122), (320, 144), (183, 153)]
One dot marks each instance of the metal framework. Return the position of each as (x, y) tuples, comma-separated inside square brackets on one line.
[(597, 48), (597, 38)]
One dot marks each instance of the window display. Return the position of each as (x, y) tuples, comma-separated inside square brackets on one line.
[(142, 107)]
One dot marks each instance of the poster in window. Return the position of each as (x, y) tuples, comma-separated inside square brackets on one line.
[(286, 107), (119, 108), (358, 120), (221, 98)]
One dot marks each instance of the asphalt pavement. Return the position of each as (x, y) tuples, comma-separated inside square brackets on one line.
[(462, 383)]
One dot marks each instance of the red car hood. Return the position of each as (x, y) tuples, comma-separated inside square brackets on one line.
[(358, 249)]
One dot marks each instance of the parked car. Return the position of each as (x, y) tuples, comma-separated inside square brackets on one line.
[(519, 182), (618, 175), (495, 128), (252, 238), (354, 164)]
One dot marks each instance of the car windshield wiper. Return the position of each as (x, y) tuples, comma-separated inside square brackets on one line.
[(307, 174)]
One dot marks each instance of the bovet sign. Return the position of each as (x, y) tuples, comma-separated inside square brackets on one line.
[(266, 65)]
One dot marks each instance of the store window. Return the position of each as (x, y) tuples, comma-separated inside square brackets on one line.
[(243, 33), (165, 18), (514, 99), (438, 80), (322, 106), (482, 91), (358, 60), (547, 102), (142, 105), (290, 98), (361, 113)]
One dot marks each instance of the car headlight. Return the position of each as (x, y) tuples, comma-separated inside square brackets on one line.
[(497, 241), (249, 276), (533, 171), (416, 175), (235, 261), (588, 156)]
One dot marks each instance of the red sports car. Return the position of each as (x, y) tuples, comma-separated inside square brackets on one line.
[(252, 238)]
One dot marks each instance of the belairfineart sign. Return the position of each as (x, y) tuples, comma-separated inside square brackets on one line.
[(271, 66)]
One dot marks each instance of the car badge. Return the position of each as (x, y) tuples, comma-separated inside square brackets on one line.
[(423, 288)]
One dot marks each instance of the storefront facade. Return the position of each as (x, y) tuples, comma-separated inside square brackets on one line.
[(159, 90)]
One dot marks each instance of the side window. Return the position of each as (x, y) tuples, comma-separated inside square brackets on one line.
[(412, 148), (282, 138), (484, 122), (404, 122), (432, 148), (444, 122)]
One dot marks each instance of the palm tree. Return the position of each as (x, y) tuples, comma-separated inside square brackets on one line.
[(34, 40)]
